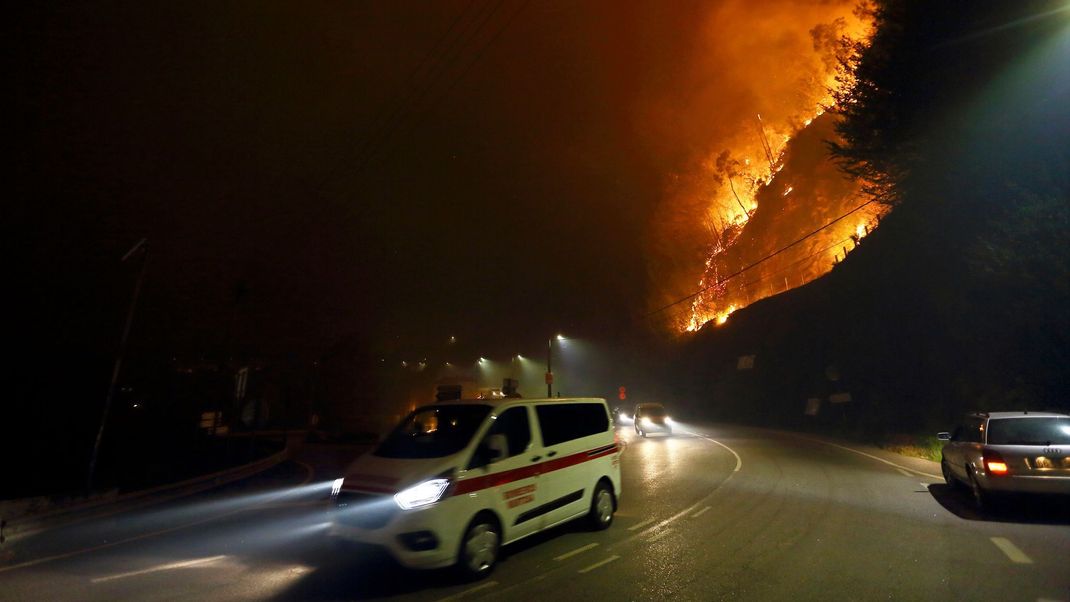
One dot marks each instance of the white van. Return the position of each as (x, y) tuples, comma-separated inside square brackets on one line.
[(456, 480)]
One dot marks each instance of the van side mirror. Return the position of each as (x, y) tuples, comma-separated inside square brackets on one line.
[(490, 450), (943, 436), (497, 447)]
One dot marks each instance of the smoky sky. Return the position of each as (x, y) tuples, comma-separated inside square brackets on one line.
[(391, 172)]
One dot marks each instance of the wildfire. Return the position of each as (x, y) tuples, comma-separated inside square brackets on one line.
[(761, 232)]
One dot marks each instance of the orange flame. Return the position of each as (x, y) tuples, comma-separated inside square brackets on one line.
[(747, 175)]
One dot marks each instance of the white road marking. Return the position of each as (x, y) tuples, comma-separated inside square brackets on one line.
[(469, 591), (598, 564), (659, 535), (872, 457), (640, 525), (162, 567), (579, 550), (701, 512), (1012, 551), (904, 473), (739, 461), (112, 544)]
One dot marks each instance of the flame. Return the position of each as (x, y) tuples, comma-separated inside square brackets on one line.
[(744, 177)]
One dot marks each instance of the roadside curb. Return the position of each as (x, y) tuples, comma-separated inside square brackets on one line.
[(20, 526)]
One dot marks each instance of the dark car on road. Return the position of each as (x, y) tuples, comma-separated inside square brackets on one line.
[(651, 418), (996, 453)]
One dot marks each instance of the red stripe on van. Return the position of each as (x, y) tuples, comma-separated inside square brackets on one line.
[(503, 478)]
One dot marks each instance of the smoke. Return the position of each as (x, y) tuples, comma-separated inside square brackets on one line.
[(754, 174)]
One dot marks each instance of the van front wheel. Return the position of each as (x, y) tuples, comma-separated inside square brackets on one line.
[(602, 507), (479, 548)]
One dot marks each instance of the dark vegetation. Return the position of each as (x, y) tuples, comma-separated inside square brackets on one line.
[(959, 300)]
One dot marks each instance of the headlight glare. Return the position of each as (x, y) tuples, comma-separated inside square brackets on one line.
[(336, 486), (422, 494)]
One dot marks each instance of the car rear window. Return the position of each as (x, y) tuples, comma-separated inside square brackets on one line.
[(1029, 431)]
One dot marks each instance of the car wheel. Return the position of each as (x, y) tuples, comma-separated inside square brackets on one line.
[(479, 548), (602, 507), (948, 477)]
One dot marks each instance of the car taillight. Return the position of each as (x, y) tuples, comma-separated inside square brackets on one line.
[(994, 463)]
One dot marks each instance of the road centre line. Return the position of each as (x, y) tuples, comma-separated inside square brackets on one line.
[(1012, 551), (701, 512), (659, 535), (161, 567), (469, 591), (694, 506), (599, 564), (578, 550), (904, 473), (640, 525), (739, 461)]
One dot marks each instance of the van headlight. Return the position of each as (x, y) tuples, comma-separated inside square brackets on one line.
[(669, 420), (422, 494)]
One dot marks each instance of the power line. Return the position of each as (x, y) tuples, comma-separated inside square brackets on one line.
[(411, 102), (464, 73), (758, 262), (781, 270), (400, 98)]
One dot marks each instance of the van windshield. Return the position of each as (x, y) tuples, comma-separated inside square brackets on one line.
[(433, 432), (653, 411)]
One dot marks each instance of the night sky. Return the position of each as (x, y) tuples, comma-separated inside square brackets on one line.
[(392, 173)]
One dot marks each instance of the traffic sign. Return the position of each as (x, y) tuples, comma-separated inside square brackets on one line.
[(549, 378)]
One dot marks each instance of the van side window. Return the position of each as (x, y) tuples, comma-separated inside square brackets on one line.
[(514, 424), (560, 422)]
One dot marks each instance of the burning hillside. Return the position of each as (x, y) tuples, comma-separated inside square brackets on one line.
[(762, 208)]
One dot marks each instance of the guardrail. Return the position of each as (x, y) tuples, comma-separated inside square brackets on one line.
[(30, 516)]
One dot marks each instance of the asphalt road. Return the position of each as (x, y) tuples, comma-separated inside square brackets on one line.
[(717, 513)]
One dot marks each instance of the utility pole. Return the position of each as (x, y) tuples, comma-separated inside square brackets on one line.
[(141, 245)]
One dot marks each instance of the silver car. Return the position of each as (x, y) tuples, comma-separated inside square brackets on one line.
[(1009, 452)]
